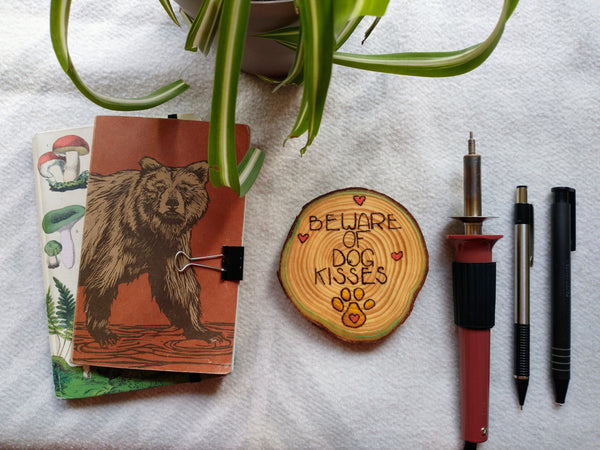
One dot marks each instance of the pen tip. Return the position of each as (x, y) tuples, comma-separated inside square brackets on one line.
[(560, 390), (522, 384)]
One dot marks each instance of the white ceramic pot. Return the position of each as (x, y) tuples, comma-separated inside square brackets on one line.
[(262, 56)]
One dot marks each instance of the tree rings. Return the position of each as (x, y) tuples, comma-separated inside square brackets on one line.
[(353, 263)]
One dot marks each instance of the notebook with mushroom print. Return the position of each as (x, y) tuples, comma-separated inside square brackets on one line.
[(61, 171)]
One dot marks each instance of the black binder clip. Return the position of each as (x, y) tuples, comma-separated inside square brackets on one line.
[(232, 262)]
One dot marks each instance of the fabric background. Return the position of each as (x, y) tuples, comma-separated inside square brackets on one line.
[(534, 109)]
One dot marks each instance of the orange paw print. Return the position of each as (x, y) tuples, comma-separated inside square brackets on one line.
[(353, 314)]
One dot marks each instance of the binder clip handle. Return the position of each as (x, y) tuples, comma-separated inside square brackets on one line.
[(232, 262)]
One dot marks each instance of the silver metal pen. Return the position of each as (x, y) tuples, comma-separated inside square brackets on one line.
[(523, 261)]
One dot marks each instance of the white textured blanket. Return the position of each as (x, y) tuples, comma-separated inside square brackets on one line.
[(534, 107)]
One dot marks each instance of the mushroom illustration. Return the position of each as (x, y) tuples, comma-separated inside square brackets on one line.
[(72, 147), (62, 220), (51, 166), (52, 249)]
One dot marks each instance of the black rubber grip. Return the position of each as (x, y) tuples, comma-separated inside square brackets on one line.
[(474, 292), (521, 350)]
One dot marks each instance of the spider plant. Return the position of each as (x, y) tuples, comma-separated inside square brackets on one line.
[(324, 26)]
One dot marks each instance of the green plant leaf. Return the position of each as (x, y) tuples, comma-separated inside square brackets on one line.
[(204, 27), (169, 9), (301, 124), (288, 36), (221, 138), (59, 20), (346, 31), (296, 72), (53, 322), (357, 8), (431, 64), (186, 18), (370, 29), (318, 40), (345, 10), (315, 63), (65, 310), (249, 168)]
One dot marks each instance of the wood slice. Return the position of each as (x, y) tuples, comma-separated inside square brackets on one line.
[(353, 263)]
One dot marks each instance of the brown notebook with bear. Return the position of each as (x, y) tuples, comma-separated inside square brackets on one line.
[(150, 208)]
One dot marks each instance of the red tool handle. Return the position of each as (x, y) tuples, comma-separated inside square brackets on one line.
[(474, 350), (474, 343)]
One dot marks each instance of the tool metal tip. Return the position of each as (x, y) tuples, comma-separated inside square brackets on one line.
[(471, 144)]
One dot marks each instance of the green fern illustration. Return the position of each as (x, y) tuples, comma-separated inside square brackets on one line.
[(65, 310), (53, 322)]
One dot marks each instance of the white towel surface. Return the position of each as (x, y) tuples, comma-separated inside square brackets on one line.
[(534, 107)]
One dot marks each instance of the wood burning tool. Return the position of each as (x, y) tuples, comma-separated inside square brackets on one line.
[(474, 292)]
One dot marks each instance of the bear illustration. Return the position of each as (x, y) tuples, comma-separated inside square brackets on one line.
[(136, 221)]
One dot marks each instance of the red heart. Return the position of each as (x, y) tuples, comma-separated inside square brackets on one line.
[(397, 256), (302, 238), (359, 199), (353, 317)]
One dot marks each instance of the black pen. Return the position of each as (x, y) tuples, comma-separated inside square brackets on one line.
[(523, 261), (563, 243)]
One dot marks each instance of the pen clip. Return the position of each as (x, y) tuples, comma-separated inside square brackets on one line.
[(572, 204), (567, 195), (531, 239)]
